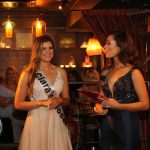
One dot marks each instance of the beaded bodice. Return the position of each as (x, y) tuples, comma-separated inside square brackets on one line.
[(123, 89)]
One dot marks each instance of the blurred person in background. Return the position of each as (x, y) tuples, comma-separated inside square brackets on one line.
[(7, 94), (74, 77), (91, 75)]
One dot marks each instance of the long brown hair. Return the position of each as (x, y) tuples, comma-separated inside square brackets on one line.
[(128, 52), (35, 59)]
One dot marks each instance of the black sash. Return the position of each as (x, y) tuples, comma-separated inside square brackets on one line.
[(48, 90)]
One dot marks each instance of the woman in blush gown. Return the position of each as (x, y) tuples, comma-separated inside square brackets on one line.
[(46, 86)]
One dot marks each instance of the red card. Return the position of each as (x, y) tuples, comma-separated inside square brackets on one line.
[(93, 95)]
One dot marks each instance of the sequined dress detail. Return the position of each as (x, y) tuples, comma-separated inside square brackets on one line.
[(121, 129)]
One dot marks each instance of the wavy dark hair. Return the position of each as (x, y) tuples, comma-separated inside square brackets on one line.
[(35, 59), (128, 52)]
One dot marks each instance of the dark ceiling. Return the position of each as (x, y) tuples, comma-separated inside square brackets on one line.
[(123, 4), (71, 14), (98, 4)]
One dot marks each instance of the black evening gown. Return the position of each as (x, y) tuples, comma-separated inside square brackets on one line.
[(121, 129)]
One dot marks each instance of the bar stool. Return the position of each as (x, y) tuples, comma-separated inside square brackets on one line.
[(92, 138), (6, 135)]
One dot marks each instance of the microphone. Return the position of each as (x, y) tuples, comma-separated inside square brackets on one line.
[(104, 105)]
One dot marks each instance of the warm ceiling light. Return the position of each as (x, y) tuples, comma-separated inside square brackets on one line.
[(94, 47), (9, 4), (38, 28), (17, 3), (60, 7), (9, 25)]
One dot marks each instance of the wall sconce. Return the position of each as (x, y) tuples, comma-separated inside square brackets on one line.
[(72, 62), (8, 25), (84, 44), (87, 62), (38, 28), (94, 47)]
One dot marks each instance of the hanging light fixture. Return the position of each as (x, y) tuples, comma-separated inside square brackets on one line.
[(38, 28), (94, 47), (8, 25)]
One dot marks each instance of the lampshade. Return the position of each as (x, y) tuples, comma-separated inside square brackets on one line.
[(8, 25), (38, 28), (94, 47)]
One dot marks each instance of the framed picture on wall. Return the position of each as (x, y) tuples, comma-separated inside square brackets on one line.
[(24, 40), (67, 40)]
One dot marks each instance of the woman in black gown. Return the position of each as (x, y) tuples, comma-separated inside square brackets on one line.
[(125, 89)]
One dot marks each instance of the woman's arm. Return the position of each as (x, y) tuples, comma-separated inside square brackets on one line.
[(141, 91), (21, 94)]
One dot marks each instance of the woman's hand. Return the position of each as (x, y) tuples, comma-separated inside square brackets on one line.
[(98, 109), (44, 103), (112, 103), (54, 102), (101, 97)]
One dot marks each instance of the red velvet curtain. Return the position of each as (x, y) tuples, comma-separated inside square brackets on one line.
[(103, 21)]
